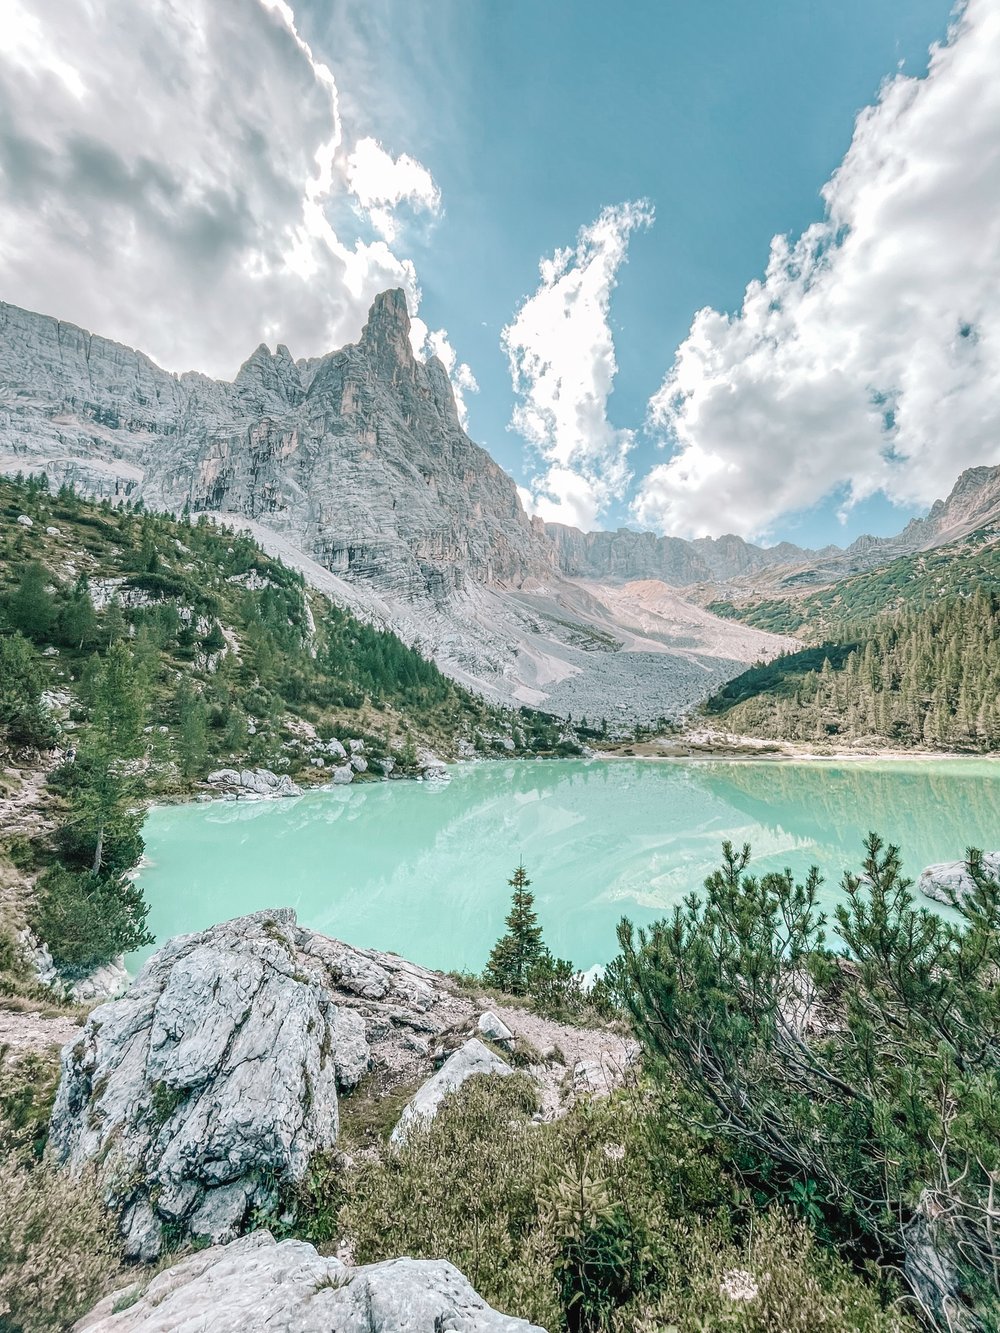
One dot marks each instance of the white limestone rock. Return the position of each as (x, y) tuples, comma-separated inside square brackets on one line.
[(359, 763), (341, 775), (257, 782), (468, 1061), (947, 878), (257, 1286), (212, 1081), (25, 521), (206, 1089), (104, 983), (334, 747), (495, 1029)]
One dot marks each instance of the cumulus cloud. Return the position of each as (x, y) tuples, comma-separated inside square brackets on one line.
[(381, 183), (562, 365), (174, 175), (868, 358), (427, 343)]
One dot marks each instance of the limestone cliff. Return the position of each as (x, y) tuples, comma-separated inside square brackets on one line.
[(355, 468)]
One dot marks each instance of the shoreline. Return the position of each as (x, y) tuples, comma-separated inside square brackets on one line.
[(702, 748)]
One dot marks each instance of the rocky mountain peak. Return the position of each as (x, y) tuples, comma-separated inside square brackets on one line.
[(386, 336)]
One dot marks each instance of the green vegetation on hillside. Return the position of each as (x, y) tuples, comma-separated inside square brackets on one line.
[(928, 676), (908, 654), (152, 650), (909, 582)]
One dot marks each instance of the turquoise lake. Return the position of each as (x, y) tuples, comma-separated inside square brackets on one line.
[(422, 868)]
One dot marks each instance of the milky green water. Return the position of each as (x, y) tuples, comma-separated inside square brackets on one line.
[(421, 868)]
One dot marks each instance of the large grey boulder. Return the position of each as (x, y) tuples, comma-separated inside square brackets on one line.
[(948, 879), (257, 1286), (203, 1093), (468, 1061), (259, 782), (208, 1087)]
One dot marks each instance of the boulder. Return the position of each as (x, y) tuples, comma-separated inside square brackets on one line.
[(206, 1088), (343, 774), (259, 782), (356, 747), (335, 748), (949, 878), (469, 1060), (258, 1286), (495, 1029), (359, 763), (25, 521), (203, 1093)]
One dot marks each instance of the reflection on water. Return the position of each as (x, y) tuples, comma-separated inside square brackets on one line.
[(422, 869)]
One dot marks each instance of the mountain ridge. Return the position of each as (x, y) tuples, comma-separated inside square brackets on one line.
[(355, 465)]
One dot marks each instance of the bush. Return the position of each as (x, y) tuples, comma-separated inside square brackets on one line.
[(87, 919), (621, 1211), (861, 1084), (777, 1280)]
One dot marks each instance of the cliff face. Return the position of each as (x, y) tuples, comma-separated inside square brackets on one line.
[(622, 556), (642, 555), (354, 467), (357, 456)]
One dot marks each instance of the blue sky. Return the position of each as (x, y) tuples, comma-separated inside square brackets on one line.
[(697, 268), (532, 117)]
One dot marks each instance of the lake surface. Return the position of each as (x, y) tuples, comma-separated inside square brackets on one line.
[(422, 868)]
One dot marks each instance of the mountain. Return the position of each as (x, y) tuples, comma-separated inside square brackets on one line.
[(354, 468), (974, 502)]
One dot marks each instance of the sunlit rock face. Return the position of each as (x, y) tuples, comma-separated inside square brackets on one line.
[(358, 455), (203, 1093), (354, 468), (259, 1286)]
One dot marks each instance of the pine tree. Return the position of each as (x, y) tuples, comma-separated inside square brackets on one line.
[(30, 607), (516, 953)]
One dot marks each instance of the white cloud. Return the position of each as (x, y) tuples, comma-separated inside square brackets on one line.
[(426, 343), (173, 175), (868, 358), (562, 365), (381, 183)]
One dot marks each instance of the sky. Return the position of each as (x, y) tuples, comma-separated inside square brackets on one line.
[(708, 268)]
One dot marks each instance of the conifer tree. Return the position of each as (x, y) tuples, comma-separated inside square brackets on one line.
[(521, 948)]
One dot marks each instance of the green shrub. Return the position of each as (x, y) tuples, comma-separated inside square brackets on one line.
[(860, 1084), (23, 720)]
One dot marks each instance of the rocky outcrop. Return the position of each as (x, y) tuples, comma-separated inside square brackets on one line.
[(255, 782), (103, 983), (258, 1286), (469, 1061), (950, 880), (205, 1090)]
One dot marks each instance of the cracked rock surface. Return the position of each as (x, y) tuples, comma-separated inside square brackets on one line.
[(207, 1088), (254, 1284)]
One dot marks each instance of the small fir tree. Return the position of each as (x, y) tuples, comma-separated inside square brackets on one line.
[(521, 949)]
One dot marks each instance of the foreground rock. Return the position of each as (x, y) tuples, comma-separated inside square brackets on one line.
[(203, 1093), (470, 1060), (254, 1284), (949, 880)]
